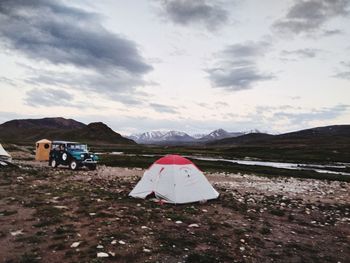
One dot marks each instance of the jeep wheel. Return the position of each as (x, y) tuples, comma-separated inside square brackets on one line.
[(73, 165), (92, 167), (53, 163)]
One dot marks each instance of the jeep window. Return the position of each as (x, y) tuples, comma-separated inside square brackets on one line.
[(55, 146), (77, 147)]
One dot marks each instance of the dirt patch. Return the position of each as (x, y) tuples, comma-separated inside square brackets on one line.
[(56, 215)]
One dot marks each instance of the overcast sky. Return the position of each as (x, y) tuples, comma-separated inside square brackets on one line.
[(190, 65)]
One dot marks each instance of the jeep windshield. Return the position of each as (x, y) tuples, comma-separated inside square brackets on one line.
[(77, 147)]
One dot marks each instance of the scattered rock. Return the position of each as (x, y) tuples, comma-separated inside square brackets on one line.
[(146, 250), (193, 225), (60, 207), (102, 255), (17, 232), (75, 244), (121, 242), (178, 222)]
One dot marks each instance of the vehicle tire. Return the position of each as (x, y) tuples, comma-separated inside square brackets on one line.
[(64, 156), (53, 163), (92, 167), (73, 165)]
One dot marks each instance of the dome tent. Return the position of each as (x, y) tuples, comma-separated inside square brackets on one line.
[(174, 179), (4, 155)]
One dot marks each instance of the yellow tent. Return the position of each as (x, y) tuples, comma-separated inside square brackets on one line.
[(43, 148)]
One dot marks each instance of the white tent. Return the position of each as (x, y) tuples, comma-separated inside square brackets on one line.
[(174, 179), (4, 156)]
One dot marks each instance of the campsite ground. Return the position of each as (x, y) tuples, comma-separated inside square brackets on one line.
[(44, 211)]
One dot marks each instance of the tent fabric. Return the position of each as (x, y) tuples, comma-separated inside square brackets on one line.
[(4, 155), (174, 179), (42, 151)]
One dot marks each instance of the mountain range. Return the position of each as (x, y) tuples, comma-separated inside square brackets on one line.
[(163, 137), (31, 130)]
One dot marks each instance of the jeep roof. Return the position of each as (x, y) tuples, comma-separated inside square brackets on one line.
[(65, 142)]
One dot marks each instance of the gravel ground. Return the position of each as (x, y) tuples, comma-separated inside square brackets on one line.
[(56, 215)]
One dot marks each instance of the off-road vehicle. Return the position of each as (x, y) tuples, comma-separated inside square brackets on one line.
[(73, 154)]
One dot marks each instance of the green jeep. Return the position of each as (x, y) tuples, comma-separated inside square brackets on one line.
[(73, 154)]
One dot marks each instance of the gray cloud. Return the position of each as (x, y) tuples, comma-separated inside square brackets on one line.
[(162, 108), (203, 12), (50, 31), (304, 118), (53, 97), (301, 53), (334, 32), (345, 73), (115, 86), (235, 79), (309, 16), (48, 97), (236, 66), (249, 49)]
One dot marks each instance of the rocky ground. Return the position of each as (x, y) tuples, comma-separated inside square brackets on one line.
[(56, 215)]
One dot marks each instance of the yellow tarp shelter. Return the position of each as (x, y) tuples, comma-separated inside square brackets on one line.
[(43, 148)]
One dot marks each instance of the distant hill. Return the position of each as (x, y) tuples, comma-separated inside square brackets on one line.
[(31, 130), (310, 137), (243, 139)]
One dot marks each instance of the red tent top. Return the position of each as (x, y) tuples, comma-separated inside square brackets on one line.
[(173, 159)]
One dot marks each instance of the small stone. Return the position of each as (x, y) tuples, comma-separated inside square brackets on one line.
[(242, 249), (204, 210), (75, 244), (92, 214), (178, 222), (60, 207), (16, 233), (193, 225), (144, 227), (146, 250), (121, 242), (114, 242), (111, 253), (99, 247), (242, 241), (102, 255)]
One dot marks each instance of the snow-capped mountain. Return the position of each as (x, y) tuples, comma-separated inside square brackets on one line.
[(161, 136), (147, 137), (220, 134), (176, 136), (198, 135)]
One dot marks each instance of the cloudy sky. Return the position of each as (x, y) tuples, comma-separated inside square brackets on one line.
[(190, 65)]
